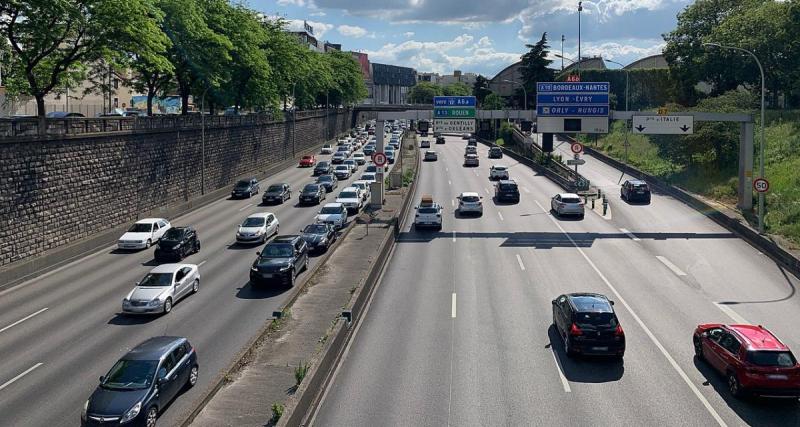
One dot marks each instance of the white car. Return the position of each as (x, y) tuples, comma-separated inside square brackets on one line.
[(470, 202), (498, 172), (360, 158), (342, 172), (257, 228), (351, 198), (327, 149), (143, 233), (364, 187), (334, 214), (429, 214), (567, 204), (161, 288), (369, 177)]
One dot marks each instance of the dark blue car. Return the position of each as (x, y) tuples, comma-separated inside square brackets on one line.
[(142, 383)]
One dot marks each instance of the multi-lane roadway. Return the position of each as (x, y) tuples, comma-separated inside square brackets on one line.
[(61, 331), (459, 331)]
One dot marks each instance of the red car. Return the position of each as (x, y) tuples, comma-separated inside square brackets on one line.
[(308, 161), (753, 359)]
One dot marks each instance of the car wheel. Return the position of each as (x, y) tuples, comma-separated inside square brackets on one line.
[(192, 380), (291, 278), (167, 305), (196, 246), (151, 417), (196, 286), (698, 349), (734, 386), (305, 265), (147, 244)]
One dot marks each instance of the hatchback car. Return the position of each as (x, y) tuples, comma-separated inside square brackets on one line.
[(162, 287), (351, 198), (506, 190), (307, 161), (425, 144), (472, 142), (177, 243), (363, 187), (431, 156), (352, 163), (634, 190), (470, 202), (277, 193), (328, 181), (338, 158), (327, 149), (344, 149), (440, 140), (319, 237), (334, 214), (587, 324), (369, 149), (567, 204), (281, 260), (143, 233), (754, 360), (360, 158), (471, 160), (470, 150), (342, 172), (312, 194), (142, 383), (498, 172), (245, 188), (371, 169), (257, 228), (322, 168), (495, 153), (368, 176)]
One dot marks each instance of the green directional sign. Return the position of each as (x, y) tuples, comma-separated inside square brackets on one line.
[(454, 113)]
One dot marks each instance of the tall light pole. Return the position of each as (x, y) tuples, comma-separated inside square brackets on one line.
[(627, 74), (562, 52), (523, 91), (763, 127), (203, 142), (580, 9), (294, 117)]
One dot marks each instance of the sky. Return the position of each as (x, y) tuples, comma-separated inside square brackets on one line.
[(482, 36)]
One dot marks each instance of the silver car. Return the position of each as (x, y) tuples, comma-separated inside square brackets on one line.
[(470, 202), (162, 287), (257, 228), (471, 160), (567, 204)]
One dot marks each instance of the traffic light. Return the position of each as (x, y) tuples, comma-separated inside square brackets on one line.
[(547, 142)]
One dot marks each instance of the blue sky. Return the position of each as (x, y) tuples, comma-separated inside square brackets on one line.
[(481, 36)]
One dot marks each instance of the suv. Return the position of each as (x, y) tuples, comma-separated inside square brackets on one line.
[(633, 190), (322, 168), (177, 243), (753, 359), (495, 153), (506, 190), (498, 172), (440, 140), (425, 144), (429, 214), (334, 214), (588, 325), (351, 198), (142, 383), (281, 260)]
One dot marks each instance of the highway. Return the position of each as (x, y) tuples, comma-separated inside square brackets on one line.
[(459, 330), (59, 332)]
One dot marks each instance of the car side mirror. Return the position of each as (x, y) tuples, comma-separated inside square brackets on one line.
[(553, 302), (258, 252), (416, 207), (102, 378), (611, 302)]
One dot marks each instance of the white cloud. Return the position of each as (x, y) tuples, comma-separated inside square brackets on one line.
[(408, 34), (320, 28), (300, 3), (351, 31), (616, 51), (318, 13)]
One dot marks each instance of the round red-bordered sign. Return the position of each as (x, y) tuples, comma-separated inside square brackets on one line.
[(577, 148), (379, 159), (761, 185)]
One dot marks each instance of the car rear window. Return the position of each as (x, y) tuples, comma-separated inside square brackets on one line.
[(570, 199), (594, 320), (508, 187), (639, 186), (783, 359), (348, 195), (428, 210), (470, 199)]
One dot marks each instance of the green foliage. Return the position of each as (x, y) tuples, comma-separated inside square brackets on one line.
[(535, 68), (300, 372), (493, 102), (423, 93), (499, 142), (277, 412), (457, 89), (480, 90), (507, 132)]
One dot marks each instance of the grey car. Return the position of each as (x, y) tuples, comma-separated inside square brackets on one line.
[(567, 204), (162, 287)]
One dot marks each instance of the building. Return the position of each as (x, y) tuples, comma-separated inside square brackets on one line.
[(428, 77), (332, 47), (500, 85), (391, 83), (654, 61), (306, 37), (458, 77)]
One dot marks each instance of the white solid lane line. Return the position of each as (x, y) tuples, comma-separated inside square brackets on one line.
[(452, 203), (671, 266), (245, 207), (22, 320), (27, 371), (653, 339), (453, 310), (449, 182), (501, 216), (486, 190), (519, 261), (564, 381), (732, 314), (202, 262), (631, 235)]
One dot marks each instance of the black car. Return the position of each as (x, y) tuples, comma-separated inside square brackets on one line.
[(322, 168), (440, 140), (634, 190), (312, 194), (588, 325), (281, 261), (369, 150), (328, 181), (319, 237), (472, 142), (277, 193), (142, 383), (371, 169), (245, 188), (506, 190), (495, 153), (177, 243)]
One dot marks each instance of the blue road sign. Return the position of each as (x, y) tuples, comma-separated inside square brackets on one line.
[(572, 87), (571, 99), (454, 101), (572, 110)]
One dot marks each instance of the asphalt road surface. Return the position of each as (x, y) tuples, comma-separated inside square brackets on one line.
[(61, 331), (459, 331)]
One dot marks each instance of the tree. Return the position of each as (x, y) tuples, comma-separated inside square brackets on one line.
[(423, 93), (349, 86), (535, 67), (50, 39), (493, 101), (457, 89), (481, 88)]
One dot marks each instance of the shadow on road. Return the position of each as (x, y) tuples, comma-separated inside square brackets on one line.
[(122, 319), (253, 291), (584, 369)]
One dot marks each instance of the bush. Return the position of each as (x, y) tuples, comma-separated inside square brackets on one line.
[(277, 412), (500, 142), (300, 372)]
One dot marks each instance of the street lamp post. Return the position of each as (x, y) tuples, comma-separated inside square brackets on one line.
[(763, 127), (627, 74), (580, 9), (203, 143), (562, 52), (294, 117)]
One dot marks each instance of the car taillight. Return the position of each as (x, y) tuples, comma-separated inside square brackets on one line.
[(575, 330), (618, 332)]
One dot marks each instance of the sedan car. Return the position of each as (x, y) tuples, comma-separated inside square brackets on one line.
[(498, 172), (143, 233), (277, 193), (470, 202), (369, 149), (371, 169), (257, 228), (328, 181), (390, 156), (334, 214), (368, 176), (342, 172), (307, 161), (319, 237), (162, 287), (177, 243), (312, 194), (360, 158), (322, 168), (471, 160), (327, 149), (431, 156), (142, 383), (587, 324), (754, 360), (338, 158), (281, 261), (567, 204), (245, 188)]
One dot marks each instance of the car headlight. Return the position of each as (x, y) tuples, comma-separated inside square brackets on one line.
[(254, 268), (132, 413), (154, 303), (85, 410), (176, 247), (286, 268), (259, 232)]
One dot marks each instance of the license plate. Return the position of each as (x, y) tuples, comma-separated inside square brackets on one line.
[(266, 275), (600, 348), (777, 377)]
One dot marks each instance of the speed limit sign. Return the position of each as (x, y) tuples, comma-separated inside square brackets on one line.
[(761, 185), (577, 147)]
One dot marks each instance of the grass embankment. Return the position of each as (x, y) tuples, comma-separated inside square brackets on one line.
[(708, 179)]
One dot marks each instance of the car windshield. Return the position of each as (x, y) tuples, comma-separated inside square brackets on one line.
[(782, 359), (157, 279), (358, 155), (316, 229), (253, 222), (348, 195), (325, 178), (342, 167), (570, 200), (328, 210), (130, 375), (639, 186), (311, 188), (470, 199), (275, 188), (174, 234), (242, 184), (277, 250), (140, 228)]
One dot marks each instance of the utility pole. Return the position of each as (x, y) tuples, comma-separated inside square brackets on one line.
[(203, 143), (580, 9), (562, 52)]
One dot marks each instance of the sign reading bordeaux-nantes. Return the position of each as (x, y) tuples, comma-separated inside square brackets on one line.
[(454, 113), (572, 99)]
